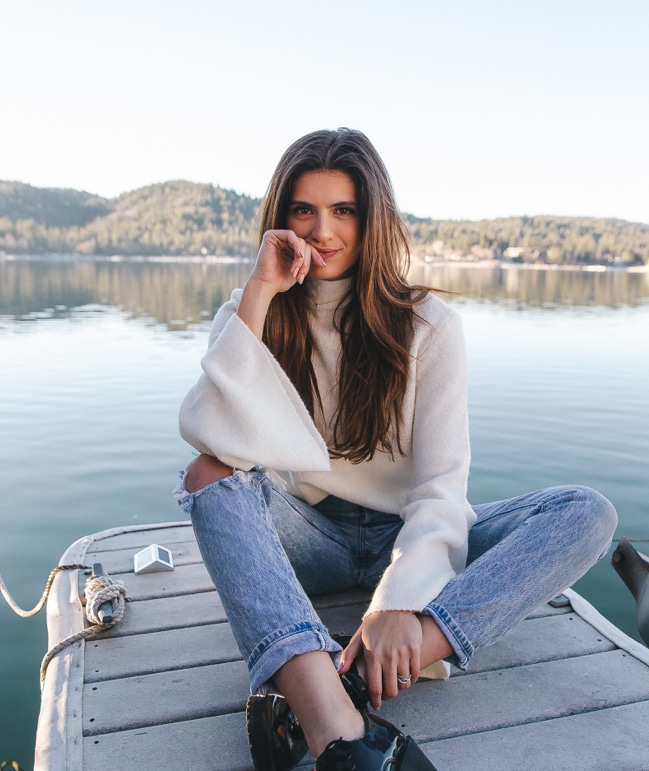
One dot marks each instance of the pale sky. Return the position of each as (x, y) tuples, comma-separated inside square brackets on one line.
[(479, 109)]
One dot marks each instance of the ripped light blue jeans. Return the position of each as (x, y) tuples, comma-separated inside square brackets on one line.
[(267, 551)]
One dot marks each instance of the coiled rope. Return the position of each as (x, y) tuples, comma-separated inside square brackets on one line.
[(99, 590)]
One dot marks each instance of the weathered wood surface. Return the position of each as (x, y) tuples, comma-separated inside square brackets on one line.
[(166, 688)]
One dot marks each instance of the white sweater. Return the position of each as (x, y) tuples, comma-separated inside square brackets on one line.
[(245, 411)]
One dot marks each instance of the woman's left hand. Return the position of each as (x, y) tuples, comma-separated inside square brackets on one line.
[(390, 645)]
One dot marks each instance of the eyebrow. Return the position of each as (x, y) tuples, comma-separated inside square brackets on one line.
[(295, 202)]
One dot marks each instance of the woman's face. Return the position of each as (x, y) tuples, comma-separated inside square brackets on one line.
[(324, 212)]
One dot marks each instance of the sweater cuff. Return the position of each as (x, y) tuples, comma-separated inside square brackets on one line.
[(409, 586)]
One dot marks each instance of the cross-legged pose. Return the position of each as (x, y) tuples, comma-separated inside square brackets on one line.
[(331, 422)]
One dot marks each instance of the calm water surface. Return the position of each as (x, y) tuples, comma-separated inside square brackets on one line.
[(96, 357)]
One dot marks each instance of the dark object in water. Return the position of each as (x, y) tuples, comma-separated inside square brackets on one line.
[(633, 569)]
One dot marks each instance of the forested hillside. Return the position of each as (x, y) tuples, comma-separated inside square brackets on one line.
[(172, 218), (547, 239), (186, 218)]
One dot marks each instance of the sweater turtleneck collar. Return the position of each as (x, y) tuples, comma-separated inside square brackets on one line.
[(328, 294)]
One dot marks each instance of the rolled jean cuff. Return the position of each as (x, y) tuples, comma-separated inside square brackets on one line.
[(462, 648), (281, 645)]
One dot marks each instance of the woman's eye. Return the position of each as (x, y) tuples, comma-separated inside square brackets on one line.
[(346, 210), (301, 210)]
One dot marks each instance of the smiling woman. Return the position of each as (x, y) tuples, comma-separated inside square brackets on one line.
[(331, 418)]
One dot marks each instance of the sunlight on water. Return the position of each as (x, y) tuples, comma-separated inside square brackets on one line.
[(96, 358)]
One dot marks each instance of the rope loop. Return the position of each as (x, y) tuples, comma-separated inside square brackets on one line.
[(99, 590)]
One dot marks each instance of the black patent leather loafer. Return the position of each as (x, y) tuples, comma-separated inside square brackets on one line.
[(382, 748), (276, 739)]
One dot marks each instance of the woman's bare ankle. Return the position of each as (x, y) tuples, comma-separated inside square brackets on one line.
[(313, 688), (340, 721)]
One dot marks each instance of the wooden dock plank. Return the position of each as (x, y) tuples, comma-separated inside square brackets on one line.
[(607, 739), (159, 651), (164, 697), (536, 640), (162, 613), (139, 536), (543, 611), (185, 579), (488, 701), (208, 744)]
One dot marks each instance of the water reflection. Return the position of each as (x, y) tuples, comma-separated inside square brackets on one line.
[(178, 293), (173, 293), (520, 287)]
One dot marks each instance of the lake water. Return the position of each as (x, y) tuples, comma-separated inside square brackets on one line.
[(97, 355)]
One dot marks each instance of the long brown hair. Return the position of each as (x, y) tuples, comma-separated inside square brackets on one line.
[(376, 326)]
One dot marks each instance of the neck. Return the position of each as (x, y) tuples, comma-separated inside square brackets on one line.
[(328, 292)]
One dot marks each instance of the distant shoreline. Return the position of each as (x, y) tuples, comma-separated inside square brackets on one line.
[(416, 261), (588, 268)]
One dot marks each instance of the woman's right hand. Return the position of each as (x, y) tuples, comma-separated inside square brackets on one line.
[(283, 260)]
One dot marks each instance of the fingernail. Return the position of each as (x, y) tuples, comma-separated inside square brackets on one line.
[(300, 279)]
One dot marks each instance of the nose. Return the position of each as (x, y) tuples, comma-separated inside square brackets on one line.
[(322, 228)]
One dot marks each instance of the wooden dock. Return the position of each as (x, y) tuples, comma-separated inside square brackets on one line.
[(166, 688)]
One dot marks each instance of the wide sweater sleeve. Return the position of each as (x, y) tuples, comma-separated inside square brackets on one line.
[(431, 546), (244, 410)]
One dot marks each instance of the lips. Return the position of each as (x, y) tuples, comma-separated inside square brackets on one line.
[(327, 253)]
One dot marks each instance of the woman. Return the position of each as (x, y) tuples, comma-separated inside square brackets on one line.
[(330, 370)]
